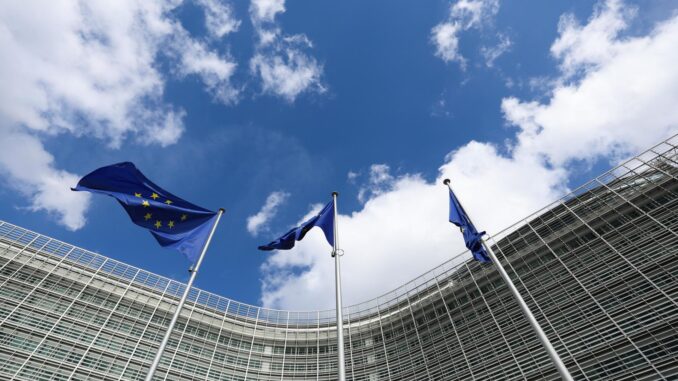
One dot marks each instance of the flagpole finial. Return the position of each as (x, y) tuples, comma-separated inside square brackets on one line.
[(335, 194), (222, 210), (446, 181)]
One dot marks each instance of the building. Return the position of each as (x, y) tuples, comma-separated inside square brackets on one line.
[(598, 268)]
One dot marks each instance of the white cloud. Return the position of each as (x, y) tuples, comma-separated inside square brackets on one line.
[(219, 18), (580, 47), (90, 68), (164, 134), (446, 41), (82, 60), (464, 15), (380, 180), (266, 10), (30, 169), (402, 232), (288, 74), (258, 222), (474, 13), (281, 61), (491, 53), (623, 103), (215, 71)]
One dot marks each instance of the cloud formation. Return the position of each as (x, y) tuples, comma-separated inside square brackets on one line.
[(464, 15), (281, 61), (90, 69), (596, 113), (588, 114), (219, 18), (444, 37), (265, 10), (215, 71), (30, 168), (258, 222), (491, 53), (379, 181)]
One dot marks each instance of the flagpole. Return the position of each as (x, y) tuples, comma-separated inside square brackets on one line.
[(194, 272), (555, 358), (337, 277)]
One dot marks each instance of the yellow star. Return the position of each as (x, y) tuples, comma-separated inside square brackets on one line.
[(137, 194), (158, 224), (154, 196), (147, 216), (171, 224), (168, 202), (145, 204), (184, 217)]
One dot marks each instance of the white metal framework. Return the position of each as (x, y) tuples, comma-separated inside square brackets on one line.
[(599, 269)]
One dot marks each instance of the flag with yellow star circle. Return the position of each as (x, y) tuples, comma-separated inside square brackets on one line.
[(174, 222)]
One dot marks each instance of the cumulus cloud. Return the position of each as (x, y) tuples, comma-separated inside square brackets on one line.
[(30, 169), (81, 61), (281, 61), (258, 222), (580, 47), (464, 15), (402, 232), (624, 101), (89, 68)]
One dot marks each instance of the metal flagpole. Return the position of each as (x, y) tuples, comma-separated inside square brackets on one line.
[(555, 358), (337, 275), (194, 272)]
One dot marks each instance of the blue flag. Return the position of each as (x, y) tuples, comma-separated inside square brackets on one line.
[(472, 238), (172, 221), (323, 220)]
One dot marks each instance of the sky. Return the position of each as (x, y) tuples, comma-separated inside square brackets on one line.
[(264, 107)]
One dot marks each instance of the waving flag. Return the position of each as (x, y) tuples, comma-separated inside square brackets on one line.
[(472, 238), (173, 222), (323, 220)]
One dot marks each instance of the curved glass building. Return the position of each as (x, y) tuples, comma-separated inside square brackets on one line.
[(599, 269)]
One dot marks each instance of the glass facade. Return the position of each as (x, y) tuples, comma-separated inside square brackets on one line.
[(599, 269)]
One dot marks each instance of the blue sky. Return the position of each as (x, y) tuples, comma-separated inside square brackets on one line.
[(225, 103)]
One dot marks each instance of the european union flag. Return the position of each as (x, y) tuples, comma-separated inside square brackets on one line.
[(472, 238), (173, 222), (323, 220)]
